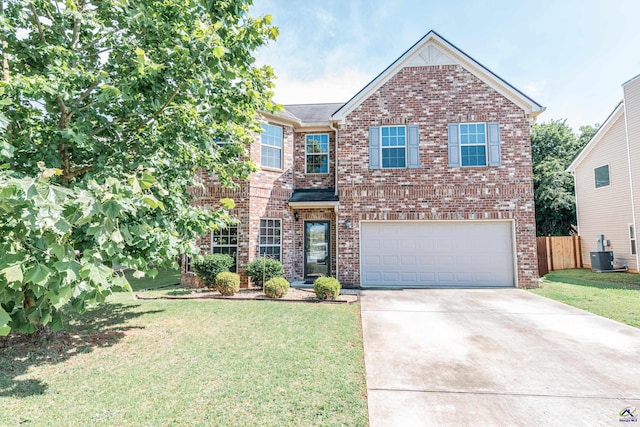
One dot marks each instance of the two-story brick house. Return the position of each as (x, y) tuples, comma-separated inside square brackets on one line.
[(423, 178)]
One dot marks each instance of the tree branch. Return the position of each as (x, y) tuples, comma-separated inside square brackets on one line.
[(80, 170), (35, 18), (87, 92)]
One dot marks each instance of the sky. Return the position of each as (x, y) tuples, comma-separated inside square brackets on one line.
[(571, 56)]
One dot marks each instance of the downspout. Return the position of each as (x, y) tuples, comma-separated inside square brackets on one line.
[(335, 169), (633, 203)]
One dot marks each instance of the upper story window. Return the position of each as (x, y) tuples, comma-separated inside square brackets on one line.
[(271, 146), (473, 144), (225, 241), (393, 142), (317, 153), (601, 176), (394, 147)]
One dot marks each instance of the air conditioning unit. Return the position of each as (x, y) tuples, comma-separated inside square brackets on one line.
[(602, 260)]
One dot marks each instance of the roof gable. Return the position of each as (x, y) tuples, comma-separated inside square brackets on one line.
[(617, 113), (433, 49)]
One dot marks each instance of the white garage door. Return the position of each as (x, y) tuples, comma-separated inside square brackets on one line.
[(439, 254)]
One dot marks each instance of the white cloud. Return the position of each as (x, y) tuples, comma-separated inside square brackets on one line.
[(329, 88)]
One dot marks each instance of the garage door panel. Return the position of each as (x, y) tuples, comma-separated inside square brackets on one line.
[(390, 260), (408, 260), (474, 253)]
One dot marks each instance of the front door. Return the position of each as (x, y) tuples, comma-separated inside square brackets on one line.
[(317, 249)]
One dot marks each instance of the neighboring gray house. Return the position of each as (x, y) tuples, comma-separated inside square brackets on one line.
[(607, 182)]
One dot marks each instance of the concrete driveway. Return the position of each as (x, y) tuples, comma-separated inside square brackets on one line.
[(494, 357)]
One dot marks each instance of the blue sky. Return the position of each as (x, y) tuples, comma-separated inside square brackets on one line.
[(570, 56)]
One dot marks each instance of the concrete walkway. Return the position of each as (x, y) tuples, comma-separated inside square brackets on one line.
[(494, 357)]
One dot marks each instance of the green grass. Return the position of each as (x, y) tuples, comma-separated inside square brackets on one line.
[(164, 279), (612, 295), (191, 363)]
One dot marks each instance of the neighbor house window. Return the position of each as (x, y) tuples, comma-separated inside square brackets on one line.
[(632, 238), (601, 175), (473, 144), (393, 142), (271, 146), (225, 241), (317, 153), (270, 238)]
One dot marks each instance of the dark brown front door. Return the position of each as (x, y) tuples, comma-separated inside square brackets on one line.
[(317, 249)]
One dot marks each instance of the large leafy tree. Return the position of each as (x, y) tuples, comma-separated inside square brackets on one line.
[(553, 146), (108, 110)]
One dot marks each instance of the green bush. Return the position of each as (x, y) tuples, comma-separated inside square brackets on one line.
[(228, 283), (276, 287), (208, 266), (263, 269), (326, 287)]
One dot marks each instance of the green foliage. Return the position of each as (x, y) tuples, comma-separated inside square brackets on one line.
[(263, 269), (207, 267), (276, 287), (58, 246), (326, 287), (553, 147), (228, 283), (107, 111)]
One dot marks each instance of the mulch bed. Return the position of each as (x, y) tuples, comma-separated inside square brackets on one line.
[(252, 294)]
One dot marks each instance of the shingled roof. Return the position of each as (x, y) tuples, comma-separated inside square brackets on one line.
[(313, 113)]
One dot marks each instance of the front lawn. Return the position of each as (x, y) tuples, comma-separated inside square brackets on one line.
[(612, 295), (191, 362)]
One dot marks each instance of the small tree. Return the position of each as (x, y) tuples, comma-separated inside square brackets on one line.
[(263, 269), (207, 267)]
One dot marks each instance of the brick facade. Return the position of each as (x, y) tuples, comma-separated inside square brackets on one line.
[(430, 97)]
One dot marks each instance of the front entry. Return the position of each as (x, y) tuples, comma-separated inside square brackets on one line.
[(317, 249)]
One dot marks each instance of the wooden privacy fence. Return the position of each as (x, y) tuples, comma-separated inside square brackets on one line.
[(558, 253)]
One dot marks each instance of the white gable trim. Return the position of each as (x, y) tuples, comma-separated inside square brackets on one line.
[(432, 49), (602, 131)]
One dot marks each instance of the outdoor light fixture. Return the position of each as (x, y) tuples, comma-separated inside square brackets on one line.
[(296, 215), (347, 223)]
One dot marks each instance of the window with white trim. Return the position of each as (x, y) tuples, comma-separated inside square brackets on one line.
[(270, 238), (271, 146), (473, 144), (225, 241), (632, 239), (601, 176), (393, 146), (316, 151)]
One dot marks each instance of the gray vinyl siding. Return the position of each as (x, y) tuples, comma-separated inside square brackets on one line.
[(606, 210)]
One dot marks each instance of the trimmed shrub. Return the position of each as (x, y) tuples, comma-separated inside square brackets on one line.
[(228, 283), (207, 267), (326, 287), (263, 269), (276, 287)]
